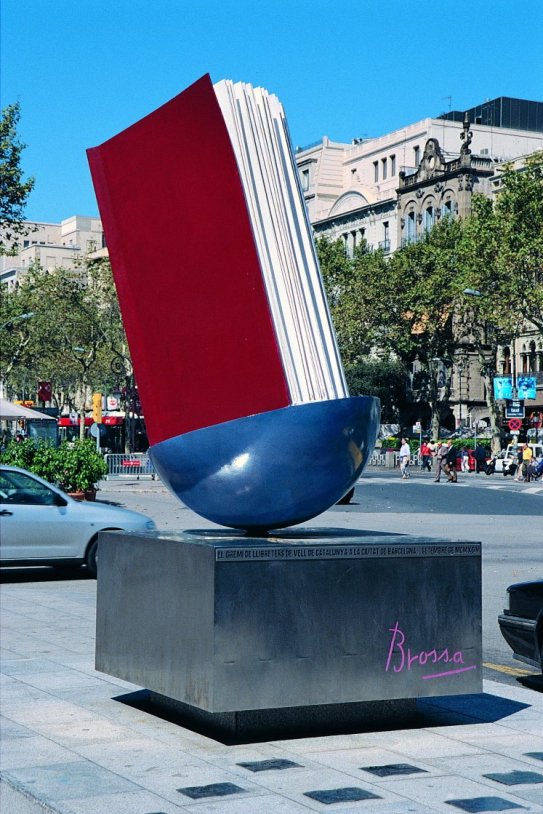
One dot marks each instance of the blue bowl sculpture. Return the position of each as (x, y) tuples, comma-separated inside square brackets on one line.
[(273, 469)]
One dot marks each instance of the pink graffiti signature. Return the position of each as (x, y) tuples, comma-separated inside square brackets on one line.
[(402, 658)]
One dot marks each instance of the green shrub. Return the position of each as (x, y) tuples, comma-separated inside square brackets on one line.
[(80, 466), (72, 466)]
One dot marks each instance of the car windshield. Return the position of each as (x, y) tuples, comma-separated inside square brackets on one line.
[(18, 488)]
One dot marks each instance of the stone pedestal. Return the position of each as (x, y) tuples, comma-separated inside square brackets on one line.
[(299, 619)]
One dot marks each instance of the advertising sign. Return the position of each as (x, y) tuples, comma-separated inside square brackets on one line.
[(503, 387), (526, 387)]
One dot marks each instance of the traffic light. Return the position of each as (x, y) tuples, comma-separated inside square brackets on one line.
[(97, 407)]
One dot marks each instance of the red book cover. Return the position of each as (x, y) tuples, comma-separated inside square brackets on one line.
[(186, 268)]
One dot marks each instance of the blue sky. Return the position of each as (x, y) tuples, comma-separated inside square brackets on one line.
[(85, 69)]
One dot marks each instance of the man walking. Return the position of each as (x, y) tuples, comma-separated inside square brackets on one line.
[(450, 469), (442, 450)]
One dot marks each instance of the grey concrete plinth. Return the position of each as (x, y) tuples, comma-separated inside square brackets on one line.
[(301, 618)]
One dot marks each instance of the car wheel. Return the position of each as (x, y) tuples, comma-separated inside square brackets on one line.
[(91, 559), (346, 498)]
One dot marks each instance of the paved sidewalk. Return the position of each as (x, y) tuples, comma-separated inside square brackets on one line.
[(75, 741)]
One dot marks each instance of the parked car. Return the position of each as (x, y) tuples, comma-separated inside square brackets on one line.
[(521, 624), (41, 525)]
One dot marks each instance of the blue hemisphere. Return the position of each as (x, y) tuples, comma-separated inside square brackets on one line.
[(274, 469)]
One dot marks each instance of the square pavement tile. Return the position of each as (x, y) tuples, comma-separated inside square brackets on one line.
[(476, 804), (64, 781), (269, 765), (392, 769), (515, 778), (212, 790), (348, 794)]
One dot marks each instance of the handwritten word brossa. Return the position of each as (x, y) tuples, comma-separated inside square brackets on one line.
[(403, 658)]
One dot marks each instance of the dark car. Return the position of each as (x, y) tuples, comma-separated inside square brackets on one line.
[(522, 623)]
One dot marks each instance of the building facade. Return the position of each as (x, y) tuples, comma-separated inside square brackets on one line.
[(388, 191), (52, 245)]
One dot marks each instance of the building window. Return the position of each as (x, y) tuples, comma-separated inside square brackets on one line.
[(384, 168), (506, 363), (375, 170), (428, 218), (25, 244), (416, 154), (393, 165), (446, 209), (385, 243), (411, 227), (305, 180)]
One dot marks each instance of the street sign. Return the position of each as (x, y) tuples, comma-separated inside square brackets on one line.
[(97, 430), (514, 424), (514, 408)]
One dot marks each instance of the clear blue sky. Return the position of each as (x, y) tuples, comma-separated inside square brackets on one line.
[(85, 69)]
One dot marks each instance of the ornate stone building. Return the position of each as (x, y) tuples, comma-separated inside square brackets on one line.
[(390, 190)]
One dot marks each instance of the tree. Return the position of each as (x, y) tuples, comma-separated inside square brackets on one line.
[(14, 191), (385, 378), (72, 337), (519, 220), (424, 277), (501, 260)]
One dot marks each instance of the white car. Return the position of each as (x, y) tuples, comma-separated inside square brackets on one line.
[(41, 525), (509, 456)]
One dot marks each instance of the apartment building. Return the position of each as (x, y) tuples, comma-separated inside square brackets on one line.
[(390, 190), (52, 245)]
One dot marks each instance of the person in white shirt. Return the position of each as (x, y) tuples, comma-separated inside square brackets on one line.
[(405, 455)]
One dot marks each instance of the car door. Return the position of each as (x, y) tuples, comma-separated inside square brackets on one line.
[(33, 524)]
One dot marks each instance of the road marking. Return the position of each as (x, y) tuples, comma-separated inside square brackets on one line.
[(512, 671)]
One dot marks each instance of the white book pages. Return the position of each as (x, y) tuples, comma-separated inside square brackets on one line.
[(258, 132)]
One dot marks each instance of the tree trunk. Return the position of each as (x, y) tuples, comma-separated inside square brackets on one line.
[(493, 411)]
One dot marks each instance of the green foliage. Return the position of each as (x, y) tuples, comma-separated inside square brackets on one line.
[(384, 378), (14, 191), (502, 252), (72, 466), (80, 465), (20, 453), (72, 338)]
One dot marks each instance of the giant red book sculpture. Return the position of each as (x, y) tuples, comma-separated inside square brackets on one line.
[(244, 397)]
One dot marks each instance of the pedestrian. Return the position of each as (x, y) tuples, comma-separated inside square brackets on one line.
[(425, 456), (450, 458), (527, 456), (441, 460), (405, 455), (518, 476), (480, 459), (465, 459)]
